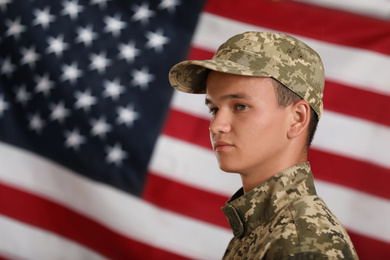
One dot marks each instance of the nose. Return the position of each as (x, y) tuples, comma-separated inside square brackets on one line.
[(220, 123)]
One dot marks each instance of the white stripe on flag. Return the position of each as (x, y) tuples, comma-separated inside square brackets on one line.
[(22, 241), (193, 165), (111, 207), (374, 8), (357, 211), (346, 65), (192, 104), (353, 137)]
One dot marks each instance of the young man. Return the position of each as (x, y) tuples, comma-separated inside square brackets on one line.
[(264, 91)]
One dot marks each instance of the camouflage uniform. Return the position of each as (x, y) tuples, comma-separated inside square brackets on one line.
[(283, 218)]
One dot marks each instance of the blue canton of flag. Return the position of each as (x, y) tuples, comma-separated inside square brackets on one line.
[(84, 83)]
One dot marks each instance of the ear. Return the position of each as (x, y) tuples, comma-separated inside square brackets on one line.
[(300, 118)]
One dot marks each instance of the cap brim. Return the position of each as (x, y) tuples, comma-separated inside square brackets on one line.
[(190, 76)]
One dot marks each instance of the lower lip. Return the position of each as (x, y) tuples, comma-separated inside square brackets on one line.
[(222, 147)]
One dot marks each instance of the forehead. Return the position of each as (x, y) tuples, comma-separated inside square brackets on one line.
[(221, 85)]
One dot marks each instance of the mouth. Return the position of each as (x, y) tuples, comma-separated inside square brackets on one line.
[(221, 145)]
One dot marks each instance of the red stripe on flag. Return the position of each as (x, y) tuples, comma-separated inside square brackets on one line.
[(40, 212), (199, 54), (370, 248), (185, 200), (361, 103), (195, 130), (350, 173), (328, 25)]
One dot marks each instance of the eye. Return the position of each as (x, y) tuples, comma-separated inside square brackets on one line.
[(213, 111), (241, 107)]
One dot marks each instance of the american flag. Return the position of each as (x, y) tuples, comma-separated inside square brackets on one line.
[(99, 161)]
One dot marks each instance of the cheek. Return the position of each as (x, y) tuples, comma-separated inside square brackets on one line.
[(264, 131)]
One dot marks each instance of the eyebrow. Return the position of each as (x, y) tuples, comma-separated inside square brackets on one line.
[(231, 96)]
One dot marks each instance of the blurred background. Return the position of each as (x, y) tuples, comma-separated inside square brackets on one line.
[(101, 159)]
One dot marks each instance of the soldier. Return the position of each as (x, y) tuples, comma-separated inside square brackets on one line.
[(264, 91)]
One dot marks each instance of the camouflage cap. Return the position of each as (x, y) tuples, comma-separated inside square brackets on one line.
[(261, 54)]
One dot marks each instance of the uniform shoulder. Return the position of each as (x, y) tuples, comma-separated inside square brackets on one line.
[(307, 229)]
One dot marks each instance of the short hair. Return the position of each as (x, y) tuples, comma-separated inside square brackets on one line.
[(286, 97)]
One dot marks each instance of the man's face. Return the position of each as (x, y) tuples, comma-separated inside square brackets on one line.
[(248, 129)]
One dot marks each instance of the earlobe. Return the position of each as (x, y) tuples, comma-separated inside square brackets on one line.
[(300, 118)]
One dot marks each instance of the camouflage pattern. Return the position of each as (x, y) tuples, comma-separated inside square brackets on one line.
[(261, 54), (283, 218)]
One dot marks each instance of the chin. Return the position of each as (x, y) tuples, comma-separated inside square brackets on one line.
[(228, 168)]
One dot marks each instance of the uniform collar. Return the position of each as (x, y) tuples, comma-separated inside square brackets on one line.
[(245, 212)]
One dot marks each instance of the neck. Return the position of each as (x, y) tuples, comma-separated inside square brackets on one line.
[(251, 180)]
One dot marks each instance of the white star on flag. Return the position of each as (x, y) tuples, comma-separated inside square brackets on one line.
[(22, 96), (29, 56), (72, 8), (142, 78), (56, 45), (36, 123), (113, 89), (115, 154), (100, 127), (127, 115), (114, 25), (128, 51), (86, 35), (43, 84), (156, 40), (74, 139), (7, 67), (142, 13), (15, 28), (58, 112), (84, 100), (43, 17), (99, 62), (71, 73)]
